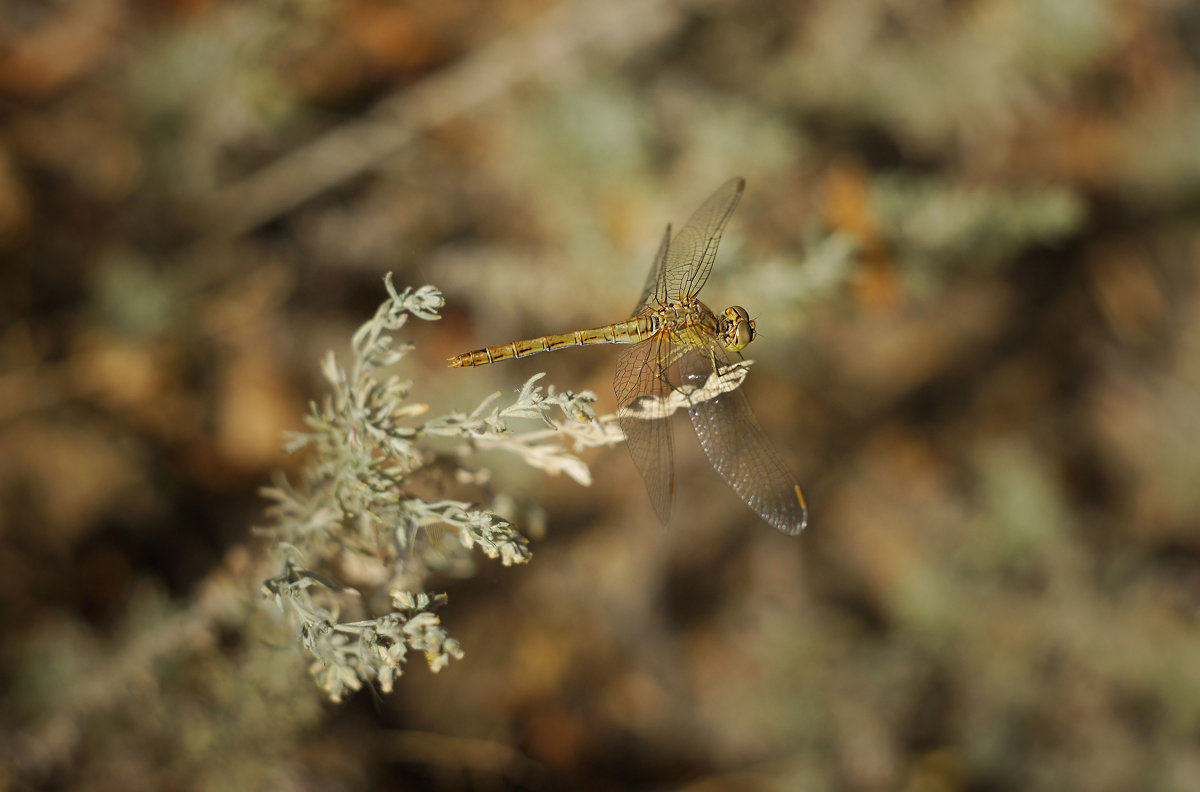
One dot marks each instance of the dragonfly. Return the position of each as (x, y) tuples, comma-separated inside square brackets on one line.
[(672, 337)]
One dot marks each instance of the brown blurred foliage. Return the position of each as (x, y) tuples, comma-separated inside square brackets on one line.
[(993, 404)]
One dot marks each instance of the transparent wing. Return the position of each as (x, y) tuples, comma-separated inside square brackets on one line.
[(738, 448), (691, 253), (648, 302), (649, 440)]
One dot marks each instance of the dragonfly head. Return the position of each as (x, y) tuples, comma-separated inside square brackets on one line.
[(737, 328)]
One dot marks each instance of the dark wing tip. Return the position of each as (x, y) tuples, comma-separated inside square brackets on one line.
[(786, 517), (793, 528)]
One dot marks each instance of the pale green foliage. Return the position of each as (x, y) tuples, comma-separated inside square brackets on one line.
[(540, 449), (348, 653), (350, 516), (954, 225)]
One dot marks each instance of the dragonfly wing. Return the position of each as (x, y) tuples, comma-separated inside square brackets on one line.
[(649, 299), (739, 449), (640, 375), (691, 253)]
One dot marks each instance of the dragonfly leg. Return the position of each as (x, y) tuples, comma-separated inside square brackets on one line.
[(673, 356), (716, 364), (716, 369)]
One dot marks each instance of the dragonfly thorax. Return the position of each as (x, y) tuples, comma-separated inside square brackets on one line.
[(737, 328)]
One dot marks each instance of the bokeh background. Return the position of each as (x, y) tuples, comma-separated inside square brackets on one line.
[(970, 237)]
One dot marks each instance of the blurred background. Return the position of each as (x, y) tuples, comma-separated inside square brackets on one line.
[(969, 237)]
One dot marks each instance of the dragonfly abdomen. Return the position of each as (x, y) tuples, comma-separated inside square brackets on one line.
[(628, 332)]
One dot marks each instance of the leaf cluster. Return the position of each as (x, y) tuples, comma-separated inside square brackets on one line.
[(352, 514)]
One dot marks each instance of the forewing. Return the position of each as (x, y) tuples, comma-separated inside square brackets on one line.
[(691, 253), (648, 440), (738, 448), (649, 299)]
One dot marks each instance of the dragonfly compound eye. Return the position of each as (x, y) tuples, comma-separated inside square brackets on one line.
[(738, 329)]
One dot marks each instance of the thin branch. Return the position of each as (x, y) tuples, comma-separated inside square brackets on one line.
[(550, 49), (458, 753), (49, 743)]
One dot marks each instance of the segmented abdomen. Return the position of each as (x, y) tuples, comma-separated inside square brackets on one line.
[(631, 331)]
